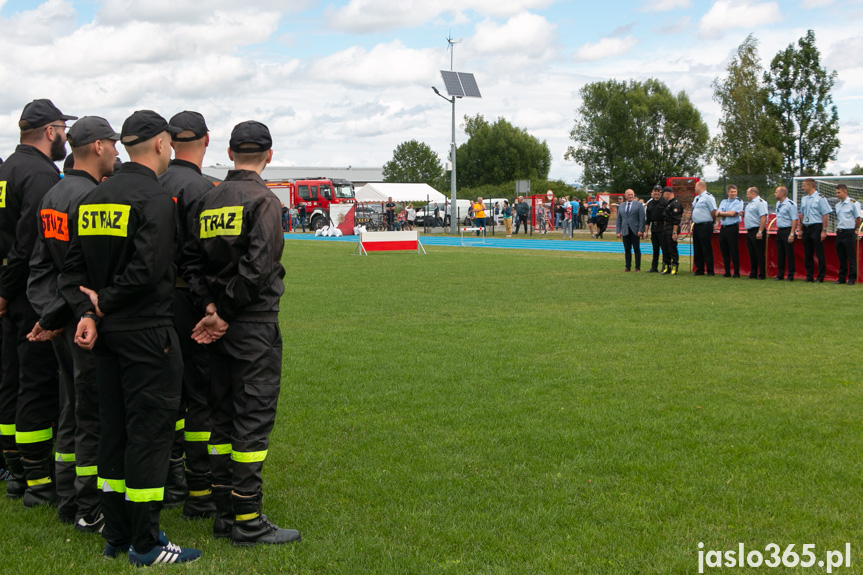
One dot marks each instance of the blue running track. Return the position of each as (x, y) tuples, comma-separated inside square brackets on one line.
[(511, 243)]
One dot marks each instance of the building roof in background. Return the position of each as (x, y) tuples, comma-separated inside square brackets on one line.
[(399, 193)]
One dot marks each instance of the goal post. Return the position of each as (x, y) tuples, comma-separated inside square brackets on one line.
[(826, 186)]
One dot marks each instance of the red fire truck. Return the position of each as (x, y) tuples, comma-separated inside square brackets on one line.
[(316, 194)]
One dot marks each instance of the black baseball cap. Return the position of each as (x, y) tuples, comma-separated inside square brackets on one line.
[(191, 121), (657, 187), (39, 113), (667, 189), (250, 136), (143, 125), (89, 129)]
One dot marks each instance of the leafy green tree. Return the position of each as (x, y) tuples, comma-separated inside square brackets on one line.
[(414, 163), (498, 153), (635, 134), (748, 137), (801, 102)]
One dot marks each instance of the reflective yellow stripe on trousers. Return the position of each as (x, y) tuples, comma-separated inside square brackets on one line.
[(249, 457)]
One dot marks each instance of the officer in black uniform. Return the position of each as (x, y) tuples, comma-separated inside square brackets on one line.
[(671, 216), (93, 142), (653, 223), (120, 271), (233, 267), (29, 389), (184, 181)]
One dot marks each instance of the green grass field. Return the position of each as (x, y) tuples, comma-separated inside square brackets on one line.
[(487, 411)]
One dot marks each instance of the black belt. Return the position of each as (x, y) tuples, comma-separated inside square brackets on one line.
[(731, 225), (845, 230), (784, 228), (811, 225)]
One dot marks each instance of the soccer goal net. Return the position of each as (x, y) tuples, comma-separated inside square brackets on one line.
[(826, 186)]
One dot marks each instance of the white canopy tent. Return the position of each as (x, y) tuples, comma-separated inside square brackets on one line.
[(377, 192)]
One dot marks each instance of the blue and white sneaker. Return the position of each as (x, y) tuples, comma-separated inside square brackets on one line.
[(111, 551), (163, 555)]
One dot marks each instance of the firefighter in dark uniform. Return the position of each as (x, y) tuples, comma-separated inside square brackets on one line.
[(233, 266), (671, 216), (184, 181), (93, 143), (29, 389), (653, 223), (120, 272)]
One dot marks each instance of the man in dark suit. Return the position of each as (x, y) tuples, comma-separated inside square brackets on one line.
[(630, 227)]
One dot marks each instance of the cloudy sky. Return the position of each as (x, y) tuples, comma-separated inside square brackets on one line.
[(344, 82)]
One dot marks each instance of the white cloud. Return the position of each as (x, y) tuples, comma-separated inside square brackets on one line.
[(605, 48), (41, 25), (364, 16), (666, 5), (184, 11), (525, 34), (390, 64), (728, 14), (845, 55), (811, 4)]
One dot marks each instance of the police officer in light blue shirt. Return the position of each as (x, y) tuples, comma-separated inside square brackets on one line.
[(703, 216), (729, 230), (848, 216), (786, 224), (755, 222), (814, 210)]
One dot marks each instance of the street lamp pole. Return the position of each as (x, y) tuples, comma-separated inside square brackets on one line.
[(453, 211), (453, 218)]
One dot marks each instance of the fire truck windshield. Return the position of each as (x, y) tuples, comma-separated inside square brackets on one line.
[(344, 191)]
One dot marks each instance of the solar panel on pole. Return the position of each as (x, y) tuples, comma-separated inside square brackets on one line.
[(453, 86), (468, 83)]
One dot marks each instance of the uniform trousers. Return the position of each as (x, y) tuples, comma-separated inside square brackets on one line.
[(729, 238), (784, 254), (669, 247), (77, 428), (30, 394), (846, 251), (656, 241), (757, 255), (246, 374), (521, 221), (813, 246), (702, 243), (196, 391), (139, 376)]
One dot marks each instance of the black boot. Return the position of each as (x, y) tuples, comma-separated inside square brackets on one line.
[(224, 511), (199, 504), (666, 269), (253, 528), (175, 488), (674, 271), (40, 484), (17, 483)]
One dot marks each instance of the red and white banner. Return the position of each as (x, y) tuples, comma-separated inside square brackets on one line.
[(390, 241)]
